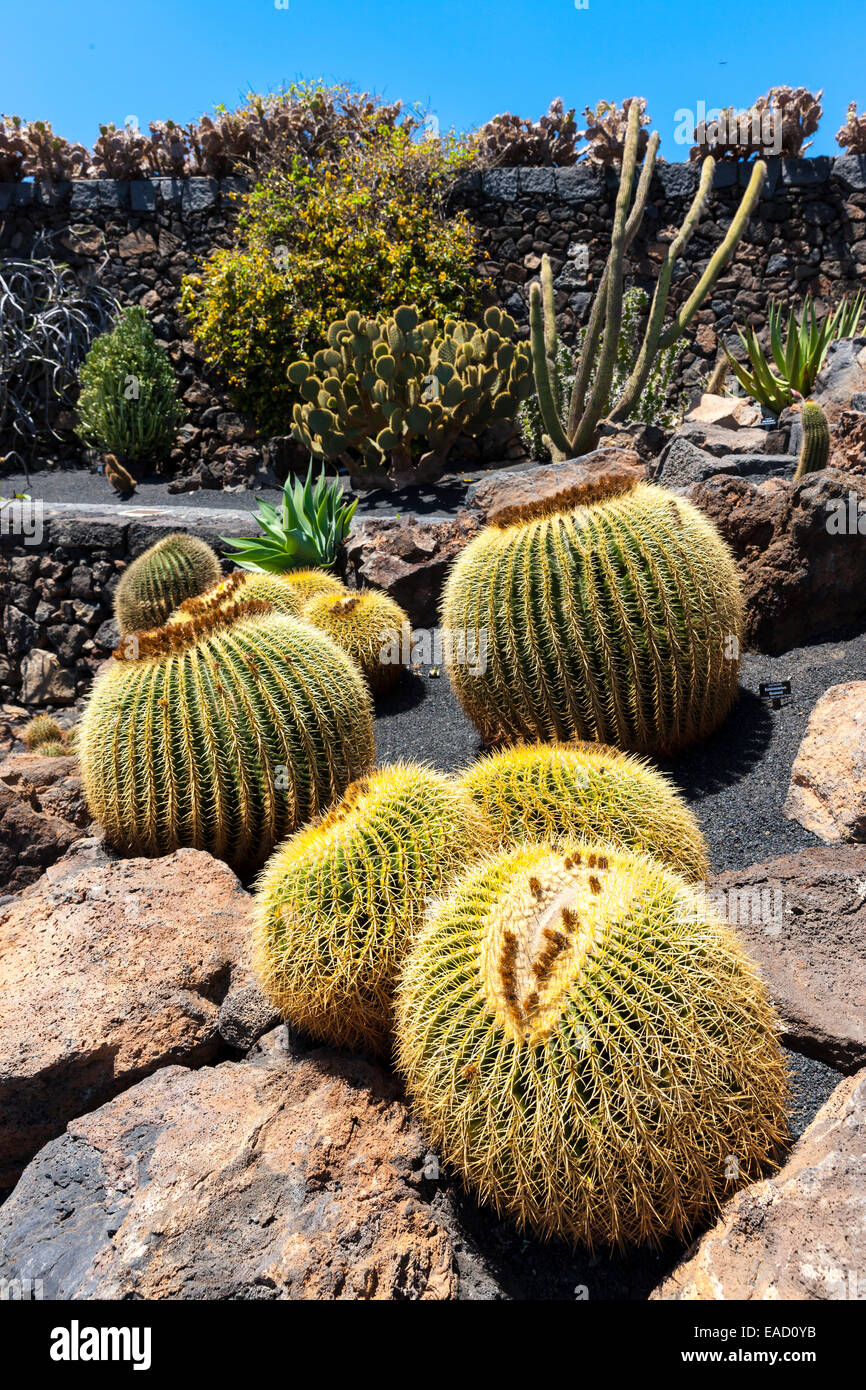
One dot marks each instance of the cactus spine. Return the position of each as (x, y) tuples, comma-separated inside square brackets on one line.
[(600, 342), (544, 792), (240, 587), (159, 580), (815, 448), (588, 1047), (308, 584), (618, 621), (337, 905), (224, 733), (41, 730), (369, 626)]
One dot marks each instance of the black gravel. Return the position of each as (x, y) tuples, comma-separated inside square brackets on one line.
[(736, 782)]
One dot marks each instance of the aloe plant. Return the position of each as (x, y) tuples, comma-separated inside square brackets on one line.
[(798, 356), (307, 530)]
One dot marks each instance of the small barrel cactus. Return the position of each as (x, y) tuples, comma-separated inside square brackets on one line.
[(54, 748), (611, 618), (368, 625), (159, 580), (240, 587), (225, 733), (588, 1046), (546, 791), (41, 730), (336, 906), (815, 448), (309, 583)]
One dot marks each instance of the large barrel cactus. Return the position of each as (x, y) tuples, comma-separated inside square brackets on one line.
[(610, 618), (158, 581), (545, 791), (589, 1048), (241, 587), (337, 904), (225, 733)]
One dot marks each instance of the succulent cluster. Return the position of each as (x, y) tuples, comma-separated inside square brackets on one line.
[(852, 135), (384, 386), (338, 904), (588, 1047), (307, 121), (161, 578), (777, 123), (127, 402), (506, 141), (797, 354), (309, 528), (612, 618), (607, 129)]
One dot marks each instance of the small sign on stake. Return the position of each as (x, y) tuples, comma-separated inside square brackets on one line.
[(776, 693)]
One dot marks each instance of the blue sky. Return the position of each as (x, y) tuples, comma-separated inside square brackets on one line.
[(79, 64)]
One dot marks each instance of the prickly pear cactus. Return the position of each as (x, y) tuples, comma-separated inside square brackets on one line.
[(382, 386), (544, 791), (616, 620), (588, 1046)]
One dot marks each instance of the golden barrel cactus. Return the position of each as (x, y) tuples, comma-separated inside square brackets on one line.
[(158, 581), (239, 588), (612, 616), (225, 733), (337, 905), (309, 583), (588, 1046), (543, 791), (370, 627)]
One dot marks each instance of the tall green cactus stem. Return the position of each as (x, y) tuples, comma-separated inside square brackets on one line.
[(589, 1046), (158, 581), (337, 905), (616, 620), (383, 386), (815, 448), (580, 434), (224, 733)]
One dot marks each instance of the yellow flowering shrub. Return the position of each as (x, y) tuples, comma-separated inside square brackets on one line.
[(366, 229)]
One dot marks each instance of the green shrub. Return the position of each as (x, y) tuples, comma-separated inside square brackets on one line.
[(127, 404), (365, 230)]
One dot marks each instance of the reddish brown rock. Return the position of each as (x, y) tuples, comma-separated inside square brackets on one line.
[(800, 1234), (111, 969), (802, 918), (409, 559), (848, 453), (508, 496), (827, 794), (29, 840), (51, 785), (269, 1178), (732, 412), (801, 558)]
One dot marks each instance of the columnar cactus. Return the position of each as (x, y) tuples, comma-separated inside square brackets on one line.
[(370, 627), (545, 791), (590, 398), (383, 385), (588, 1047), (158, 581), (336, 906), (225, 733), (615, 619), (815, 448)]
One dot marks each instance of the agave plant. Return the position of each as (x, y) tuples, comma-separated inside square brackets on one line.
[(798, 356), (307, 530)]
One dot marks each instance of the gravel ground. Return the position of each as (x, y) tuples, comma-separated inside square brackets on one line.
[(736, 782)]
